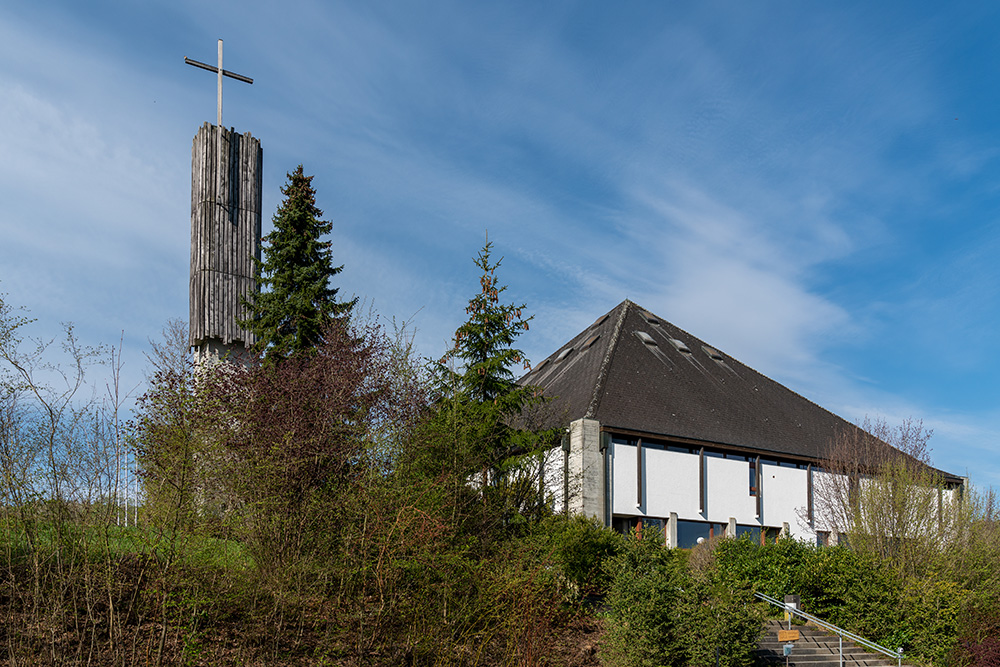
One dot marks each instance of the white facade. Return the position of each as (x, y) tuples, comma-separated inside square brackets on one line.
[(687, 491)]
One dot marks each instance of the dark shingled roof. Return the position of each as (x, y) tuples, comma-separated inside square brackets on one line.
[(634, 371)]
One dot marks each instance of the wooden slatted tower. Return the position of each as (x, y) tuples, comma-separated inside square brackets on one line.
[(226, 169)]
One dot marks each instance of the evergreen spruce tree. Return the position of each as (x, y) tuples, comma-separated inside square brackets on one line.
[(291, 316), (484, 344), (479, 397)]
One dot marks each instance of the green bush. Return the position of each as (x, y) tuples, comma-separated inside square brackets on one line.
[(580, 546), (666, 610), (770, 568), (647, 585), (720, 618)]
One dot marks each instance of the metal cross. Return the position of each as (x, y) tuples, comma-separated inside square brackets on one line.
[(221, 72)]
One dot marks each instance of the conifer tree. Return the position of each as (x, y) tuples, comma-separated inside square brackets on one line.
[(291, 316), (479, 401), (485, 343)]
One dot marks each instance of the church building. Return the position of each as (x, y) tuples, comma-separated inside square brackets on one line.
[(664, 429)]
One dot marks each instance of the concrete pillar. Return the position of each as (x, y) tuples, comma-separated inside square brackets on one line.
[(731, 528), (672, 531), (586, 468)]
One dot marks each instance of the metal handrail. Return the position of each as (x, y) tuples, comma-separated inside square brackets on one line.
[(898, 655)]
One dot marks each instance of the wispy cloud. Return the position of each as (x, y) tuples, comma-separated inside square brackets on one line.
[(781, 181)]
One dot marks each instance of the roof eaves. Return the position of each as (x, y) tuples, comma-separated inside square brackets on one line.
[(595, 400)]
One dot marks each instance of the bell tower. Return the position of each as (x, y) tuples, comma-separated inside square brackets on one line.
[(226, 169)]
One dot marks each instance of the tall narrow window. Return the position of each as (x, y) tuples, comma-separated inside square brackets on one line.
[(702, 491), (760, 490), (809, 495), (638, 473), (753, 477)]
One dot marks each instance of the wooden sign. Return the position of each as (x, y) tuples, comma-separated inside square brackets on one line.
[(788, 635)]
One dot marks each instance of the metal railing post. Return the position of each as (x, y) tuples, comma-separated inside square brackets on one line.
[(841, 638)]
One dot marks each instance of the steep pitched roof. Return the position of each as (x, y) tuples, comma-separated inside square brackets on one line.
[(632, 370)]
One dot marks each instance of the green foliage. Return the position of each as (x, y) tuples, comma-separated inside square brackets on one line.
[(930, 613), (298, 306), (647, 586), (581, 547), (667, 607), (475, 431), (722, 622), (770, 568), (482, 393), (484, 344)]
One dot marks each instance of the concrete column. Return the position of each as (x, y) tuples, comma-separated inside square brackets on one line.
[(586, 468), (672, 530), (731, 528)]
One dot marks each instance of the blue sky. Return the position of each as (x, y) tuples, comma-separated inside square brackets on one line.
[(812, 188)]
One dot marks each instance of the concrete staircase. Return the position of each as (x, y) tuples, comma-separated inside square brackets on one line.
[(814, 648)]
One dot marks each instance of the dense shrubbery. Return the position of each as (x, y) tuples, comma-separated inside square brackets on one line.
[(665, 610), (931, 615)]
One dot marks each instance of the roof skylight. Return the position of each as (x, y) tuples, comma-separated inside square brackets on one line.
[(645, 338), (564, 354), (712, 352), (680, 345)]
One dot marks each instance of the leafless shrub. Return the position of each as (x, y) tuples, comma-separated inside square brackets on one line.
[(880, 492)]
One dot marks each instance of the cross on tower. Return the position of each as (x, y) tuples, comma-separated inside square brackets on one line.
[(221, 72)]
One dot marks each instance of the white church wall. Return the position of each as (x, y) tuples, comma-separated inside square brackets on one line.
[(671, 483), (824, 484), (623, 479), (729, 491), (552, 477), (786, 498)]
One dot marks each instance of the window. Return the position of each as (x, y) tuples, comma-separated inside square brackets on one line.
[(688, 532), (822, 538), (759, 534), (680, 345), (627, 524), (712, 352), (753, 478)]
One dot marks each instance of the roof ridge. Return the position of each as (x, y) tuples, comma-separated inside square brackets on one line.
[(602, 374)]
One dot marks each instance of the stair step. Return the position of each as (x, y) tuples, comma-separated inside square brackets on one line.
[(815, 648)]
